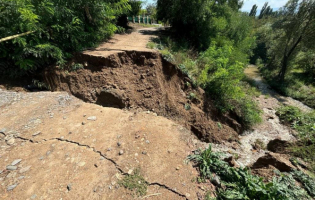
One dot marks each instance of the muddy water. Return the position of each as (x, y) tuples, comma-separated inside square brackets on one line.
[(268, 130)]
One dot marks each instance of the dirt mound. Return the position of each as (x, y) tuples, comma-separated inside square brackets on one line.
[(133, 80)]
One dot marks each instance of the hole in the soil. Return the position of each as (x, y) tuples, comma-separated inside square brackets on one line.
[(110, 98), (197, 132)]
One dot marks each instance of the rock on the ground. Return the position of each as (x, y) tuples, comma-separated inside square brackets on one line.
[(92, 118), (10, 141), (37, 133), (276, 160), (11, 187), (10, 167), (25, 169), (15, 162)]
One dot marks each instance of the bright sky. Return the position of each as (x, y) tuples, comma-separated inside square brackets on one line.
[(248, 4), (274, 4)]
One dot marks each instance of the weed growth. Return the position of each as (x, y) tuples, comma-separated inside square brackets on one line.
[(239, 183), (304, 124), (135, 182)]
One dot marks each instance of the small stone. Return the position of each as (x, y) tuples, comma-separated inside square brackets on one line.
[(10, 167), (118, 144), (216, 181), (11, 187), (15, 162), (64, 117), (21, 177), (11, 141), (84, 115), (3, 130), (11, 175), (70, 133), (41, 158), (155, 114), (148, 112), (147, 141), (109, 149), (1, 171), (83, 123), (102, 158), (136, 154), (81, 164), (33, 196), (23, 143), (130, 171), (37, 133), (69, 187), (95, 165), (144, 152), (92, 118), (121, 152), (178, 167), (62, 137), (47, 153), (24, 169), (110, 187)]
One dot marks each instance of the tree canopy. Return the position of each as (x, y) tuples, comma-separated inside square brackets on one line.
[(56, 28)]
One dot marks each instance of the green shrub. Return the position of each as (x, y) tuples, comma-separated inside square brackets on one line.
[(57, 29), (239, 183), (248, 111)]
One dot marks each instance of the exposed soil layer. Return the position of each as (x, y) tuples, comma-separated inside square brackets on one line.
[(143, 79)]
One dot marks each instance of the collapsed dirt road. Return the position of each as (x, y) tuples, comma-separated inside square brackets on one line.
[(65, 148)]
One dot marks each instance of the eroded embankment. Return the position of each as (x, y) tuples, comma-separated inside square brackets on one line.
[(144, 80)]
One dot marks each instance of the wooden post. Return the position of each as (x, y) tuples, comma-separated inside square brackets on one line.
[(133, 19)]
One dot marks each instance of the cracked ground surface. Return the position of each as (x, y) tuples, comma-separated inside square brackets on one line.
[(66, 155)]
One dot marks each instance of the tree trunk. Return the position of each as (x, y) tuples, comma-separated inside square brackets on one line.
[(286, 59), (283, 68)]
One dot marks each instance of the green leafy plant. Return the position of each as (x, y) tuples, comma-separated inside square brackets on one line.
[(239, 183)]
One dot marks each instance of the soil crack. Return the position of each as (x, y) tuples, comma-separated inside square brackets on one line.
[(169, 189), (103, 156), (96, 151)]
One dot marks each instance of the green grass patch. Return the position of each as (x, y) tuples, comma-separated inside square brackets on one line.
[(151, 45), (135, 183), (296, 85), (239, 183), (304, 124)]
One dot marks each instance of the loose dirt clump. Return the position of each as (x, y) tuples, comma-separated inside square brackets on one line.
[(144, 80)]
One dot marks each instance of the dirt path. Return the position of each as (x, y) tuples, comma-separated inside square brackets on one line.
[(135, 41)]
